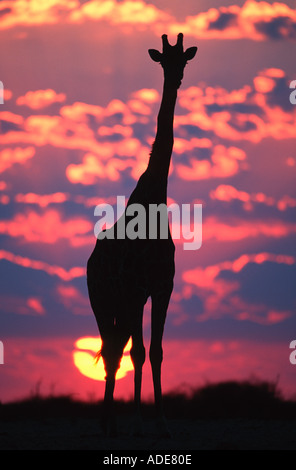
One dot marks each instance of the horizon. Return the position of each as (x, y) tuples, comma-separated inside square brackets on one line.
[(78, 118)]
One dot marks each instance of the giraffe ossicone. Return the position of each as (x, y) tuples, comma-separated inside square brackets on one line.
[(173, 59)]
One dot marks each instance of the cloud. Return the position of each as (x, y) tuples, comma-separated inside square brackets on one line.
[(73, 300), (251, 113), (228, 193), (42, 200), (34, 12), (91, 168), (220, 287), (9, 122), (224, 162), (80, 111), (62, 273), (117, 139), (129, 12), (213, 229), (253, 20), (35, 304), (40, 98), (8, 156), (21, 306), (48, 228), (102, 133)]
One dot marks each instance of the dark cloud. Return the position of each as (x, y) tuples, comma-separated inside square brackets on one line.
[(5, 11), (189, 130), (225, 20), (244, 126), (270, 284), (279, 96), (281, 27), (57, 320), (234, 107), (192, 306), (7, 126)]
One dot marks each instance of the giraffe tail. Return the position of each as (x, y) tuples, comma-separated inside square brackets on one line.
[(98, 356)]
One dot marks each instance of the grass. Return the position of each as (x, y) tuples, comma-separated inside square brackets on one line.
[(245, 399)]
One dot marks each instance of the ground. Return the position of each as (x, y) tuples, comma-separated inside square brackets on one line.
[(225, 416)]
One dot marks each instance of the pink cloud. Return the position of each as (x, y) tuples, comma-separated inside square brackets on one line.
[(35, 304), (21, 306), (228, 193), (213, 229), (271, 318), (47, 228), (40, 98), (32, 13), (63, 274), (127, 12), (109, 144), (42, 200), (78, 111), (219, 295), (231, 123), (10, 156), (224, 162), (255, 20), (73, 300)]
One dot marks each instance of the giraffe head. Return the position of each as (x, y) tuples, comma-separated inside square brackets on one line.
[(173, 59)]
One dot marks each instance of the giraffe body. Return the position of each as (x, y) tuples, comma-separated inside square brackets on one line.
[(123, 273)]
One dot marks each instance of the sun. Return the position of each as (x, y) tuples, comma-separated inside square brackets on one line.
[(84, 359)]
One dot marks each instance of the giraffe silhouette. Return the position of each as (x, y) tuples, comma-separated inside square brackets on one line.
[(123, 273)]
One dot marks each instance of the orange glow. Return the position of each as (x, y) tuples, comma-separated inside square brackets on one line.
[(43, 200), (126, 12), (40, 98), (225, 162), (17, 155), (46, 228), (264, 84), (243, 24), (84, 360), (148, 95), (36, 305)]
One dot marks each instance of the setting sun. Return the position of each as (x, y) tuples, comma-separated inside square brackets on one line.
[(84, 359)]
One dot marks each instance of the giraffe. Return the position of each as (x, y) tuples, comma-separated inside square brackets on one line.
[(122, 273)]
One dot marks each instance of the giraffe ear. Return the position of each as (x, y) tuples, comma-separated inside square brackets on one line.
[(155, 55), (190, 53)]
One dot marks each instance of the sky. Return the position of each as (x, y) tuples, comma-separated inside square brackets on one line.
[(78, 118)]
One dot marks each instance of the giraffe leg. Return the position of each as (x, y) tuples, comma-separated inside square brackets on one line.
[(160, 304), (108, 422), (138, 358), (112, 352)]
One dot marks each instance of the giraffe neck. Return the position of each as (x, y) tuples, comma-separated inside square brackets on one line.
[(160, 157)]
